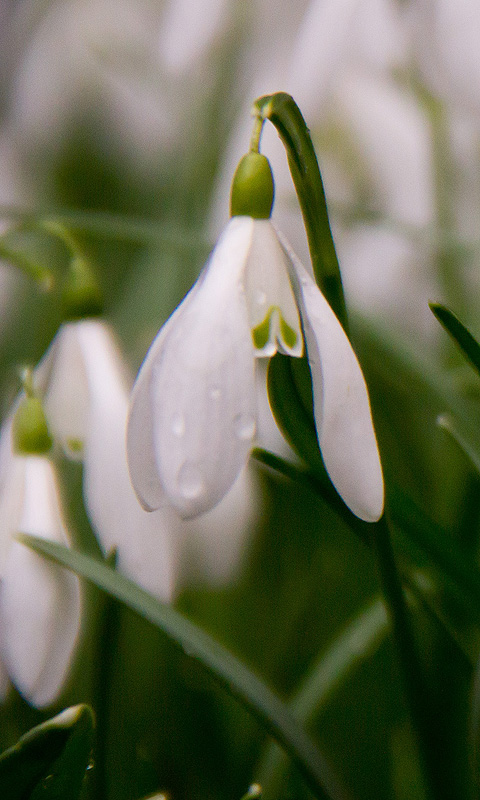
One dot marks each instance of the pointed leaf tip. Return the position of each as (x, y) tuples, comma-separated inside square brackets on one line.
[(459, 333)]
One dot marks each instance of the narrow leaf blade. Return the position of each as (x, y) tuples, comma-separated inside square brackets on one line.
[(230, 672), (459, 333)]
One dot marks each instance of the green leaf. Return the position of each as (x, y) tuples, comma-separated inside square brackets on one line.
[(50, 761), (229, 671), (356, 642), (288, 404), (424, 544), (459, 333), (463, 438)]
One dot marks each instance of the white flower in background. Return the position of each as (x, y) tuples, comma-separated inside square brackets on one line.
[(189, 29), (193, 414), (341, 61), (119, 63), (85, 388), (446, 35), (40, 604)]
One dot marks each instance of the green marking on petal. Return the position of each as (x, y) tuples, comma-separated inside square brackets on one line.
[(261, 333), (75, 445), (288, 334)]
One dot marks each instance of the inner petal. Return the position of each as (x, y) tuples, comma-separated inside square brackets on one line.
[(272, 309), (274, 333)]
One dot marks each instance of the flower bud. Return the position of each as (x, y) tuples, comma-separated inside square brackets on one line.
[(252, 188), (30, 430), (81, 295)]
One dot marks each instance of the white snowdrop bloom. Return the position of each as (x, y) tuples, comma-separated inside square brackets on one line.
[(445, 38), (189, 29), (86, 390), (193, 411), (40, 605)]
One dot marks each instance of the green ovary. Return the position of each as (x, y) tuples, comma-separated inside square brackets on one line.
[(261, 333), (75, 445)]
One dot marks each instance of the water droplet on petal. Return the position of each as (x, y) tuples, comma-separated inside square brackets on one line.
[(244, 426), (190, 481), (178, 425), (260, 298), (215, 393)]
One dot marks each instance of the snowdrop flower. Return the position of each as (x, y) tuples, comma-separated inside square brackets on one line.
[(40, 605), (193, 411), (86, 388)]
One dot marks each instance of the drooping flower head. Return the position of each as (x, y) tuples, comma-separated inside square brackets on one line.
[(40, 605), (193, 413)]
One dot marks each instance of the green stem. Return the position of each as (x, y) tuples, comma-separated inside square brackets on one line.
[(448, 257), (283, 112), (425, 543), (121, 227), (356, 643), (421, 711), (378, 536), (39, 274), (231, 673), (256, 135)]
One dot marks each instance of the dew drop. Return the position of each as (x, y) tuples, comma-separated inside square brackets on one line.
[(260, 298), (190, 481), (178, 425), (215, 393), (244, 426)]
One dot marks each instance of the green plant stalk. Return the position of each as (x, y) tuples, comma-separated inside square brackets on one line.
[(424, 549), (357, 641), (282, 111), (459, 333), (39, 274), (377, 535), (121, 227), (421, 711), (229, 671)]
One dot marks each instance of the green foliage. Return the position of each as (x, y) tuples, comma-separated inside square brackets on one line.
[(50, 762)]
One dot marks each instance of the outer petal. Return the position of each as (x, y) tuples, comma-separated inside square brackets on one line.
[(140, 423), (61, 376), (215, 544), (342, 409), (142, 539), (39, 601), (200, 378)]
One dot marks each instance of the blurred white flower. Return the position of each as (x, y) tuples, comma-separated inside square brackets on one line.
[(446, 35), (40, 602), (188, 30), (193, 411), (341, 61), (85, 389), (134, 68)]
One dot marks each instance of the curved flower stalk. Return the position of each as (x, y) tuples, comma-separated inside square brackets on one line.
[(85, 388), (193, 412), (40, 605)]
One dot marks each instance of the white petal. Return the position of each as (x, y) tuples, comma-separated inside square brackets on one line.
[(342, 408), (39, 601), (200, 379), (189, 30), (5, 682), (11, 502), (142, 540), (61, 377), (215, 544), (140, 444), (269, 294)]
